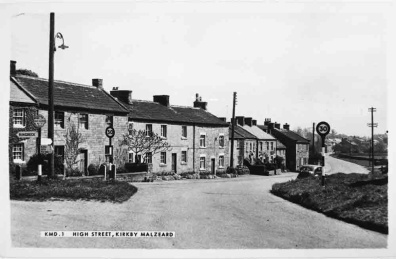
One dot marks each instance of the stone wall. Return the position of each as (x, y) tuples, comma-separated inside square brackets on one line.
[(94, 138), (29, 144), (179, 144)]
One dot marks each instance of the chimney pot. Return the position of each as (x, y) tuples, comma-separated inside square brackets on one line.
[(12, 68), (248, 121), (277, 125), (254, 122), (240, 120), (286, 126), (98, 83), (161, 99), (122, 95), (198, 103)]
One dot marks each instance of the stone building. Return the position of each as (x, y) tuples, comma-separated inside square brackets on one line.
[(265, 147), (196, 137), (243, 145), (89, 108), (297, 147)]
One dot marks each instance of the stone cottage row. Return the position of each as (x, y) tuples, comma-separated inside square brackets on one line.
[(199, 140)]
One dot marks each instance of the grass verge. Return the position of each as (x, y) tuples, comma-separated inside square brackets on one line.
[(353, 198), (81, 189)]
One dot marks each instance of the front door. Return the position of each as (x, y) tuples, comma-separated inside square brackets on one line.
[(174, 161), (83, 161), (213, 166)]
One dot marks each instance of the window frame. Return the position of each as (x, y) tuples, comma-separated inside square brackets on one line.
[(148, 158), (184, 132), (164, 131), (221, 141), (183, 156), (81, 122), (22, 117), (130, 154), (21, 151), (202, 159), (59, 122), (163, 158), (202, 140), (221, 161), (109, 120), (149, 130)]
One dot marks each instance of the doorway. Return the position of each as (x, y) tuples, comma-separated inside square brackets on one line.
[(213, 166), (174, 162), (83, 161)]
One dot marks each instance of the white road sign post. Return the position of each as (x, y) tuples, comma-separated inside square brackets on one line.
[(39, 122), (27, 134), (323, 128)]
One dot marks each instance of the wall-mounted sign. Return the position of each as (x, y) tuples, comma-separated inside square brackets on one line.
[(27, 134), (47, 149), (39, 121)]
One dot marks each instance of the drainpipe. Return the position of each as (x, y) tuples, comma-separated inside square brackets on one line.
[(257, 145)]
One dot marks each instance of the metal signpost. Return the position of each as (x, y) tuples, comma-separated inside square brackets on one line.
[(323, 128), (39, 122), (110, 132)]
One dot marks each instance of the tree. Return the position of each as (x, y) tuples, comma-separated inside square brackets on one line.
[(26, 72), (73, 140), (145, 143)]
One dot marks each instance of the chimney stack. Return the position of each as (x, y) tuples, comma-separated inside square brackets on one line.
[(161, 99), (12, 68), (240, 120), (198, 103), (98, 83), (248, 121), (254, 122), (286, 126), (223, 119), (124, 96), (277, 125), (267, 121)]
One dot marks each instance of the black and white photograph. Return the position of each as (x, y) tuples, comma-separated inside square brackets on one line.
[(197, 129)]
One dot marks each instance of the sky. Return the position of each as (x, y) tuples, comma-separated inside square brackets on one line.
[(301, 67)]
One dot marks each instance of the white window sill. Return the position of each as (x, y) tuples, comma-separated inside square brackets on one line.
[(19, 161), (183, 163), (202, 147), (183, 138), (221, 147), (221, 167), (18, 127), (162, 137), (162, 165), (202, 169)]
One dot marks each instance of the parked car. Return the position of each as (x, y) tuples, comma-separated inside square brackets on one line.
[(312, 169)]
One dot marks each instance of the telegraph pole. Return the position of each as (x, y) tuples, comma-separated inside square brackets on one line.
[(51, 172), (313, 138), (232, 130), (372, 125)]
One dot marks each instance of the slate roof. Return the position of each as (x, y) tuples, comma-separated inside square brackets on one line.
[(17, 95), (240, 133), (256, 131), (279, 145), (153, 111), (70, 95), (263, 127), (293, 136)]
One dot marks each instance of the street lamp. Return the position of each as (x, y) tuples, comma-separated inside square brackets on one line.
[(52, 49)]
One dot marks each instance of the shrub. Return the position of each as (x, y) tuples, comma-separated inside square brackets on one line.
[(185, 174), (42, 159), (121, 170), (93, 169), (231, 170), (73, 172), (241, 170)]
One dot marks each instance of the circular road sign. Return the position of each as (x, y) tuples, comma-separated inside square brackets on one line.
[(39, 121), (110, 132), (323, 128)]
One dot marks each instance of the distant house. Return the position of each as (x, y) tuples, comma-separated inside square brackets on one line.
[(198, 139), (243, 145), (89, 108), (297, 147)]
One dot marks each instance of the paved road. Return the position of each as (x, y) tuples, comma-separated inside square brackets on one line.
[(334, 165), (221, 213)]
